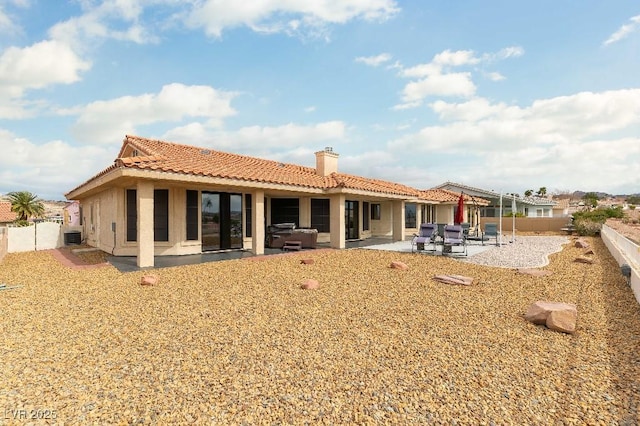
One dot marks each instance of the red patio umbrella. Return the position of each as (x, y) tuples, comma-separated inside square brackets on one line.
[(460, 212)]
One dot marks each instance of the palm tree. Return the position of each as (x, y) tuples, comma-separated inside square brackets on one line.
[(542, 191), (26, 204), (528, 193)]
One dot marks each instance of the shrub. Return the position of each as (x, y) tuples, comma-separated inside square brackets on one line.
[(20, 222), (587, 227), (632, 206), (600, 215)]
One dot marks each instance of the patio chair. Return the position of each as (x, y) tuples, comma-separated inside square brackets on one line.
[(490, 231), (454, 237), (465, 228), (426, 237)]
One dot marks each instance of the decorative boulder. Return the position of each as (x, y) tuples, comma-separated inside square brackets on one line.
[(307, 261), (534, 272), (585, 259), (454, 279), (399, 265), (581, 244), (557, 316), (310, 284), (149, 280)]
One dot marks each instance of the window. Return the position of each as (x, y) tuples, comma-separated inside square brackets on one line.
[(410, 215), (247, 213), (285, 210), (161, 215), (132, 215), (320, 214), (192, 215), (375, 211), (539, 213), (365, 216)]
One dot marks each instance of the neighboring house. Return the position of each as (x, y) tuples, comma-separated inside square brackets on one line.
[(72, 213), (162, 198), (6, 215), (527, 206), (561, 209)]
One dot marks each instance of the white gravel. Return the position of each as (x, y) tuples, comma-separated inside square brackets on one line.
[(524, 252)]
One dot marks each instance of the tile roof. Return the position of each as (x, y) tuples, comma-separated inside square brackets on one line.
[(447, 196), (190, 160), (6, 215)]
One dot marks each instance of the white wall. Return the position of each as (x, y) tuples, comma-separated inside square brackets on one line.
[(624, 251), (39, 236)]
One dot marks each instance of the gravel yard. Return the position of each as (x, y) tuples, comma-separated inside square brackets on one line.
[(237, 342)]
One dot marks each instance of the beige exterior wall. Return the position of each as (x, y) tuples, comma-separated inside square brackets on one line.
[(383, 226)]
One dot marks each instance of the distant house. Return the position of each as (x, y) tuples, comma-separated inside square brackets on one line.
[(163, 198), (526, 206), (72, 214), (6, 215)]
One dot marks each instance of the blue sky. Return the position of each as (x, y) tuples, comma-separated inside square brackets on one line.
[(500, 95)]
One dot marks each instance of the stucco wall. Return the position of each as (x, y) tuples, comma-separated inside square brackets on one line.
[(624, 251)]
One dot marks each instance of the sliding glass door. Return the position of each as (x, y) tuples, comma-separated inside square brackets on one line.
[(221, 221)]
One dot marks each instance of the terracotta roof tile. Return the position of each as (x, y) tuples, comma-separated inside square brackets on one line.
[(447, 196), (165, 156), (6, 215)]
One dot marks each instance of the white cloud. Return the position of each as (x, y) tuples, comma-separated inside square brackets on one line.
[(114, 19), (310, 109), (586, 140), (48, 169), (454, 84), (274, 16), (436, 79), (624, 31), (35, 67), (106, 121), (252, 139), (374, 61)]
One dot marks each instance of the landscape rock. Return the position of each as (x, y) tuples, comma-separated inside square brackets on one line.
[(307, 261), (563, 320), (399, 265), (585, 259), (557, 316), (581, 244), (149, 280), (310, 284), (454, 279), (534, 272)]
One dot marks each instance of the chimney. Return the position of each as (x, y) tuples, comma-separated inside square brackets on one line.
[(326, 162)]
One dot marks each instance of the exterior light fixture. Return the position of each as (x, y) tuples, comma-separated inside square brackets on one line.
[(626, 272)]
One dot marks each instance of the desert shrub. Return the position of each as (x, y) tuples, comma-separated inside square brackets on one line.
[(587, 227), (600, 215), (632, 206)]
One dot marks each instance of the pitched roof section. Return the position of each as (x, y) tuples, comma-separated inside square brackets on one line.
[(6, 215), (446, 196), (149, 154)]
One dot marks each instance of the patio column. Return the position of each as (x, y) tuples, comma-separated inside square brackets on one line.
[(419, 220), (337, 233), (146, 245), (305, 212), (257, 222), (398, 220)]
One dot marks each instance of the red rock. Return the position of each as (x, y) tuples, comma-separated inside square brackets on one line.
[(454, 279), (310, 284), (585, 259), (581, 244), (149, 280), (399, 265), (563, 320), (307, 261)]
